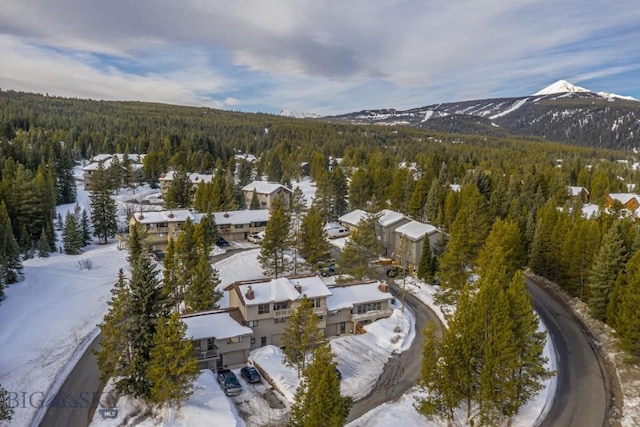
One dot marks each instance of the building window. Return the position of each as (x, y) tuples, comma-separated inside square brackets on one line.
[(317, 302), (281, 305), (234, 340), (372, 306), (263, 204), (320, 318), (210, 344), (263, 341), (238, 225), (280, 320), (263, 308), (253, 323), (253, 340), (334, 313)]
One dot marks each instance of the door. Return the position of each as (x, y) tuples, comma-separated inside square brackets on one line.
[(263, 341)]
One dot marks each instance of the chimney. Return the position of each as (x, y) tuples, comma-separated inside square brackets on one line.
[(298, 287), (170, 214), (250, 293), (226, 215), (383, 286)]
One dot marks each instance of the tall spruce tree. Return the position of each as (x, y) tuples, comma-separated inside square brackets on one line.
[(10, 259), (72, 240), (170, 276), (103, 207), (297, 207), (180, 192), (426, 265), (301, 335), (317, 401), (314, 246), (147, 306), (622, 312), (173, 366), (202, 293), (362, 247), (607, 263), (276, 241)]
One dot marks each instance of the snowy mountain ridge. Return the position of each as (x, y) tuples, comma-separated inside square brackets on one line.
[(298, 114)]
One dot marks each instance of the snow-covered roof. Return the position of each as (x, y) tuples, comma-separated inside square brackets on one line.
[(415, 230), (101, 157), (350, 295), (575, 191), (154, 217), (246, 216), (623, 198), (264, 187), (455, 187), (589, 210), (219, 325), (106, 160), (389, 217), (353, 217), (194, 178), (283, 289)]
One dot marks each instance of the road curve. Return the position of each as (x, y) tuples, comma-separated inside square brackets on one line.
[(582, 397)]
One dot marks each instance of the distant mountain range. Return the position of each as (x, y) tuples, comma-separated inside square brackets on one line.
[(559, 112)]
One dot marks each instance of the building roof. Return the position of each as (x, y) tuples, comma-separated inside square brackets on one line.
[(389, 217), (415, 230), (353, 217), (246, 216), (106, 160), (154, 217), (265, 187), (215, 324), (281, 289), (623, 198), (576, 191), (349, 295), (195, 178)]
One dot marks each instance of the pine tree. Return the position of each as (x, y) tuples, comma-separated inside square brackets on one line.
[(504, 239), (301, 335), (314, 246), (114, 356), (179, 193), (135, 243), (6, 410), (426, 266), (362, 247), (71, 235), (317, 401), (202, 293), (173, 366), (360, 189), (147, 305), (66, 181), (297, 207), (276, 241), (607, 263), (540, 258), (170, 276), (44, 247), (186, 259), (10, 259), (85, 226), (255, 202), (103, 207)]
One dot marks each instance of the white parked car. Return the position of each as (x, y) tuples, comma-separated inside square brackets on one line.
[(334, 233), (256, 237)]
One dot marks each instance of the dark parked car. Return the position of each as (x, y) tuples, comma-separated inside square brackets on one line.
[(222, 242), (229, 382), (250, 374)]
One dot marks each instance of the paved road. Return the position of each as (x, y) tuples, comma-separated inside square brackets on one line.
[(80, 392), (401, 371), (583, 386)]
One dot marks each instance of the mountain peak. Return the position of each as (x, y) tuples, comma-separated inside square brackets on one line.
[(298, 114), (561, 86)]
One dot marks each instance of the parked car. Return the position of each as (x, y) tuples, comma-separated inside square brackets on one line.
[(327, 268), (334, 233), (158, 255), (250, 374), (256, 237), (222, 242), (229, 382)]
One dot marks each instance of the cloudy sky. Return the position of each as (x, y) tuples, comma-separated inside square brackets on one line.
[(324, 57)]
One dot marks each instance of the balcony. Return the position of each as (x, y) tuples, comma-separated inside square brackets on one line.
[(282, 313), (203, 355), (371, 315), (320, 311)]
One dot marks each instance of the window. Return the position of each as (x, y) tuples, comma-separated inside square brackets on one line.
[(263, 204), (234, 340), (281, 305), (372, 306), (334, 313), (210, 344), (253, 340), (238, 225), (253, 323), (320, 318), (317, 302), (263, 341), (263, 308), (280, 320)]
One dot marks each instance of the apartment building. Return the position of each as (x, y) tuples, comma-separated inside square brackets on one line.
[(266, 193)]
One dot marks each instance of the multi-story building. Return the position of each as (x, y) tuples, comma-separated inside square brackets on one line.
[(196, 178), (131, 162), (266, 192), (410, 239), (219, 338), (238, 225)]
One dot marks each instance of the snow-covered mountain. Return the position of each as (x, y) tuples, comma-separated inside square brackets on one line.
[(563, 86), (298, 114), (560, 112)]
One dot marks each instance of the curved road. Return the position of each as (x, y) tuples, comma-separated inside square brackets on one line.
[(584, 388), (583, 394)]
